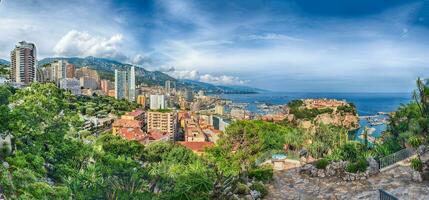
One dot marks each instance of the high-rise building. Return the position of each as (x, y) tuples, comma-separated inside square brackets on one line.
[(59, 70), (219, 109), (189, 96), (86, 71), (88, 83), (141, 99), (162, 121), (132, 84), (23, 63), (105, 86), (120, 84), (157, 102), (70, 71), (167, 86), (71, 84), (88, 78)]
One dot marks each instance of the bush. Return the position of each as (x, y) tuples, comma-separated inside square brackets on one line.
[(242, 189), (260, 187), (417, 164), (415, 141), (322, 163), (263, 173), (359, 166)]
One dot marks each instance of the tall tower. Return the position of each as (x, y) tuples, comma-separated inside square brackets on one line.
[(132, 84), (120, 84), (23, 63)]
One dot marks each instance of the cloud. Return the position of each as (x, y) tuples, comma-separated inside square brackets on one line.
[(76, 43), (207, 78), (272, 36)]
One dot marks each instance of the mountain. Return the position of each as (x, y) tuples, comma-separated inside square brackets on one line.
[(210, 88), (4, 62), (106, 67)]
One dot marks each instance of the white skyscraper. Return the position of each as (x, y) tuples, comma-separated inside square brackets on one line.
[(132, 84), (157, 102)]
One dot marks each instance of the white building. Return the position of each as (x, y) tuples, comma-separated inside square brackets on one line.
[(157, 102), (132, 84), (70, 84)]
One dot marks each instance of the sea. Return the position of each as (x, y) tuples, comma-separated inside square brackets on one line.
[(367, 104)]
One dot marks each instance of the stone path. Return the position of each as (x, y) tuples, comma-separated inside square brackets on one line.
[(292, 185)]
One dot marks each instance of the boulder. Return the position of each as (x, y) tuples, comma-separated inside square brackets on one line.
[(421, 150), (255, 194), (321, 173), (373, 167), (417, 176)]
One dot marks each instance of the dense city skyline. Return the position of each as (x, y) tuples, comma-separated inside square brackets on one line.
[(278, 45)]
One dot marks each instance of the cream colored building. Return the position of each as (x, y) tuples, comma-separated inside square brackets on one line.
[(164, 121)]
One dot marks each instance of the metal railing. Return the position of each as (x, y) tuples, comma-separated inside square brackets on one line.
[(386, 196), (395, 157)]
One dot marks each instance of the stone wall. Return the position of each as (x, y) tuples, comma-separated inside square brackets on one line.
[(337, 169)]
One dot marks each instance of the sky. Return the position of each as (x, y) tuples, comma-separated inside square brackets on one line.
[(279, 45)]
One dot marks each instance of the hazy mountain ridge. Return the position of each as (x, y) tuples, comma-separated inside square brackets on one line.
[(4, 62), (106, 68)]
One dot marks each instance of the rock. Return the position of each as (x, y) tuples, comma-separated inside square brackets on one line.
[(321, 173), (6, 165), (421, 150), (373, 167), (255, 194), (417, 176)]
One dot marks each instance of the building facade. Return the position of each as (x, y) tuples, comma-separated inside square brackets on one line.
[(71, 84), (23, 63), (162, 121), (132, 84), (120, 84), (157, 102)]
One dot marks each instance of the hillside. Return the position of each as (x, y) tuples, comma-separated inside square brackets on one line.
[(106, 68), (210, 88), (4, 62)]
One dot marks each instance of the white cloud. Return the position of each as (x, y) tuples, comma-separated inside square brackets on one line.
[(76, 43), (207, 78), (272, 36)]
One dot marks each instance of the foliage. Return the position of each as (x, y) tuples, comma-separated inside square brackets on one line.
[(415, 141), (242, 189), (51, 159), (263, 173), (260, 187), (358, 166), (417, 164), (322, 163)]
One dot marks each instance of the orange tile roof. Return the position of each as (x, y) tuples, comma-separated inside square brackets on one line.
[(197, 146), (157, 135), (135, 113), (126, 123), (131, 133)]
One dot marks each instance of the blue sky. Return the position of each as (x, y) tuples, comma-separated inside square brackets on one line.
[(302, 45)]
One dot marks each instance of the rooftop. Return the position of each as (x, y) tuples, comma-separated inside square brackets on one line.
[(126, 123), (135, 113), (197, 146)]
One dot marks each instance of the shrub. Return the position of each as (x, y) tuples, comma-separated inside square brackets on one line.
[(322, 163), (417, 164), (260, 187), (263, 173), (359, 166), (242, 189), (415, 141)]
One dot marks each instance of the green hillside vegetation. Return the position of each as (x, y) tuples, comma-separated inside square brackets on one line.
[(300, 112), (53, 159)]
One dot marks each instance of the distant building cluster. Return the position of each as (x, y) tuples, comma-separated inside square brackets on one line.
[(165, 112)]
